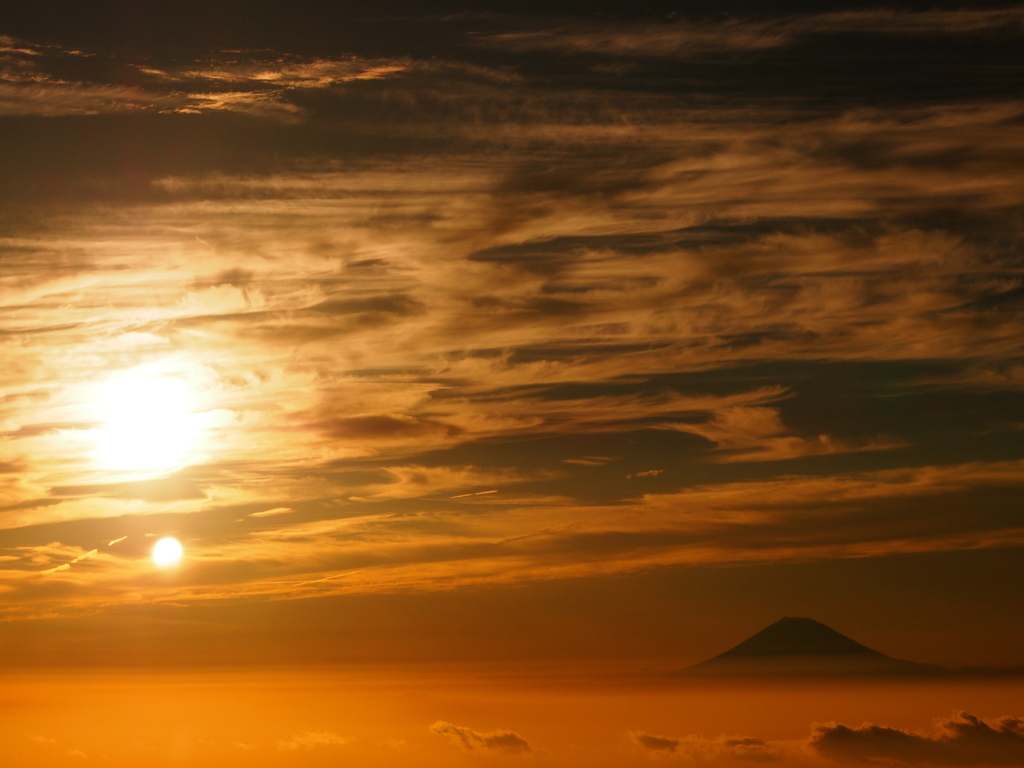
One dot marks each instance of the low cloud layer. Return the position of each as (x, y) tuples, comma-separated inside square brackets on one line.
[(507, 742), (961, 740), (701, 749)]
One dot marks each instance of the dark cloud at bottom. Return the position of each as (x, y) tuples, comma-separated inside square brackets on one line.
[(506, 742), (964, 740), (961, 740)]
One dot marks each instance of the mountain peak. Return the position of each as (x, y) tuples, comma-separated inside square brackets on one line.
[(798, 636), (802, 647)]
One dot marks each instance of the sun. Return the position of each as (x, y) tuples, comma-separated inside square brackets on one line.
[(148, 422), (167, 552)]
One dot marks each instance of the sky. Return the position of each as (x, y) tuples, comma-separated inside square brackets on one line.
[(505, 342)]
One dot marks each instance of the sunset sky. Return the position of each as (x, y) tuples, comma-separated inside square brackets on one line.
[(466, 347)]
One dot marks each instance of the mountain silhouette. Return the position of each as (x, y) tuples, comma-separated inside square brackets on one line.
[(802, 647)]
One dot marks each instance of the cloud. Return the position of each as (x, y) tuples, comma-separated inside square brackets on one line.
[(700, 749), (506, 742), (430, 543), (414, 481), (220, 299), (681, 39), (590, 461), (292, 73), (1004, 378), (66, 566), (961, 740), (655, 743), (308, 740), (750, 433), (30, 85), (57, 99), (272, 512), (687, 39)]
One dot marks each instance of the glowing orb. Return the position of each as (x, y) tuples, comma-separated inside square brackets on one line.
[(148, 423), (167, 552)]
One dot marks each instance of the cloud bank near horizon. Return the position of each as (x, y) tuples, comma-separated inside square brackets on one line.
[(962, 739)]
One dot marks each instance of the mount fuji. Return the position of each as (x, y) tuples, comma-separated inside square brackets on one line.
[(803, 647)]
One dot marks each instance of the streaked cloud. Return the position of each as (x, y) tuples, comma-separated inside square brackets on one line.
[(364, 547), (67, 565), (689, 39), (272, 512), (316, 73), (30, 85), (758, 434)]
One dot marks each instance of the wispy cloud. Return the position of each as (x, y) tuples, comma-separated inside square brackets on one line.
[(30, 84), (749, 433), (67, 565), (272, 512), (687, 39), (293, 73), (308, 740), (511, 539)]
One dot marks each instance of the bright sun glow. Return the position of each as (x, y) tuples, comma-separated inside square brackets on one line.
[(148, 423), (167, 552)]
